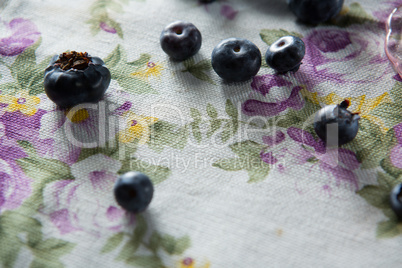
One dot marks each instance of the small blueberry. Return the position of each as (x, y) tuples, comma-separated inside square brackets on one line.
[(286, 54), (236, 59), (335, 125), (180, 40), (133, 191)]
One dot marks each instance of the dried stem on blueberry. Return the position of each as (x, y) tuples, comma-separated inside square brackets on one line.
[(73, 60)]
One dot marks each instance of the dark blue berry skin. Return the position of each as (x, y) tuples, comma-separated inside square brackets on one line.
[(286, 54), (396, 200), (236, 59), (133, 191), (68, 88), (333, 116), (315, 11), (180, 40)]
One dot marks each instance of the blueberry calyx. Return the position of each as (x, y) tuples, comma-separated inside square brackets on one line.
[(73, 60)]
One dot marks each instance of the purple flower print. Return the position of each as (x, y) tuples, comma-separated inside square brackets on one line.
[(221, 7), (329, 40), (85, 204), (396, 152), (15, 187), (264, 83), (21, 33), (18, 126), (81, 128), (338, 162), (256, 107), (385, 10), (272, 141), (107, 28), (228, 12), (355, 49)]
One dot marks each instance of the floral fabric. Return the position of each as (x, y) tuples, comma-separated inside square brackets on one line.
[(241, 178)]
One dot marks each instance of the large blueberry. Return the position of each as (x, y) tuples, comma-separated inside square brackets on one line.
[(74, 77), (286, 54), (315, 11), (133, 191), (335, 125), (180, 40), (396, 200), (236, 59)]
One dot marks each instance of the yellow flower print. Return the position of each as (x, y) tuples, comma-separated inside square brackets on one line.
[(190, 263), (138, 127), (22, 102), (78, 116), (151, 69), (360, 104)]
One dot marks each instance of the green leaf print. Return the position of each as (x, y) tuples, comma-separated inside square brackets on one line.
[(43, 171), (122, 71), (145, 261), (389, 229), (269, 36), (211, 111), (27, 74), (18, 230), (113, 242), (396, 92), (199, 70), (165, 134), (389, 168), (371, 144), (248, 159), (390, 113), (157, 173), (354, 14), (175, 246), (139, 241), (378, 196), (100, 10)]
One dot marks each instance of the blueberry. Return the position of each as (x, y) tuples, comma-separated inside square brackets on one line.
[(315, 11), (75, 77), (336, 118), (206, 1), (180, 40), (396, 200), (133, 191), (236, 59), (286, 54)]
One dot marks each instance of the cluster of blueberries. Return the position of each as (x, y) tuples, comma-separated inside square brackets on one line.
[(233, 59), (238, 60), (74, 77)]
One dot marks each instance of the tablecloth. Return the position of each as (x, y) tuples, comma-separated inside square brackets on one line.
[(241, 179)]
